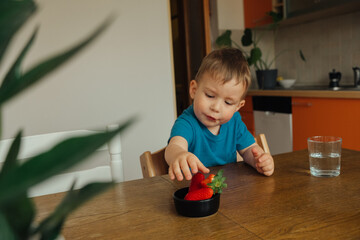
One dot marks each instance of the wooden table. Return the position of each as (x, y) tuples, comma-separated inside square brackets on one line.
[(289, 205)]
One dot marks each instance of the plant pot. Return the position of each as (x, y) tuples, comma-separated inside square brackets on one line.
[(266, 78)]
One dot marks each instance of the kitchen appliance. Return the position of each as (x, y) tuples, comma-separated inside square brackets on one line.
[(356, 76), (335, 78), (273, 117)]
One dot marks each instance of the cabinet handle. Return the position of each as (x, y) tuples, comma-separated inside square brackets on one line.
[(301, 104)]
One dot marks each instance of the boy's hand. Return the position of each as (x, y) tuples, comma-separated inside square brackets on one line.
[(264, 162), (182, 165)]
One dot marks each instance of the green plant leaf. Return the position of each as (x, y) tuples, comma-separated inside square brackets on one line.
[(51, 226), (276, 17), (6, 232), (15, 71), (11, 157), (246, 39), (40, 70), (13, 15), (255, 55), (224, 40), (20, 211), (61, 157)]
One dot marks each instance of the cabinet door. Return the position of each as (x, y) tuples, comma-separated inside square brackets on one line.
[(326, 116), (255, 13)]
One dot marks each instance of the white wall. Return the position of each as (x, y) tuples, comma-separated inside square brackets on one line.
[(127, 71), (230, 14)]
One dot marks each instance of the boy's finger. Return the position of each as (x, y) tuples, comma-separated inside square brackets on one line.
[(259, 169), (185, 170), (202, 168), (267, 168), (171, 173), (263, 162), (193, 166), (269, 173), (177, 172)]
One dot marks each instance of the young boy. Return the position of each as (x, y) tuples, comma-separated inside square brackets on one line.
[(210, 132)]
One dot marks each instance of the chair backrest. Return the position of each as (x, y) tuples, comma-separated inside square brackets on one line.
[(116, 162), (261, 141), (104, 165), (154, 164)]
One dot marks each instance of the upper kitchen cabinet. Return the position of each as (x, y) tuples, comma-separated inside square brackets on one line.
[(255, 12), (302, 11), (327, 117), (295, 11)]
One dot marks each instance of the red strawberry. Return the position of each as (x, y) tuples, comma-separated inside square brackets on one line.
[(209, 179), (200, 194), (196, 181)]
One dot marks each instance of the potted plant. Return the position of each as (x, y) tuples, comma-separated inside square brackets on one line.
[(17, 211), (265, 74)]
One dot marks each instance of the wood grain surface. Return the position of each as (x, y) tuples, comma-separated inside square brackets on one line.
[(291, 204)]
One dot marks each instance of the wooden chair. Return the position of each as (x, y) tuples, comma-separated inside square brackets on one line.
[(261, 141), (104, 165), (154, 164)]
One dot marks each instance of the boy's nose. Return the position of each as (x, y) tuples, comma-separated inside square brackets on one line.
[(215, 106)]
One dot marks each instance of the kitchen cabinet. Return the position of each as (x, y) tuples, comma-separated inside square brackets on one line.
[(326, 116), (255, 13), (247, 114), (300, 11)]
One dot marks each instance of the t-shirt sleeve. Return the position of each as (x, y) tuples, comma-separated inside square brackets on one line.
[(244, 138), (182, 127)]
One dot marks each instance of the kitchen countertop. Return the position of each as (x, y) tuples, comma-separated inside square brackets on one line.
[(313, 93)]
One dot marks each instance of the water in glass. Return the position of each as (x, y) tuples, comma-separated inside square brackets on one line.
[(325, 165)]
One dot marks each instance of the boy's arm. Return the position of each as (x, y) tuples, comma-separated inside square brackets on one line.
[(180, 160), (255, 156)]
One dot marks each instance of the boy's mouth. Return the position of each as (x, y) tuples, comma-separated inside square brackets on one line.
[(210, 118)]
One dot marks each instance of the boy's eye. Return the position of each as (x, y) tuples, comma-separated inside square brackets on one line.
[(228, 103), (208, 95)]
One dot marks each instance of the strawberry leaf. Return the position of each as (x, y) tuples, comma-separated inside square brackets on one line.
[(218, 183)]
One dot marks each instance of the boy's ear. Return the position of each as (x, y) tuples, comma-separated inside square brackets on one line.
[(241, 104), (192, 89)]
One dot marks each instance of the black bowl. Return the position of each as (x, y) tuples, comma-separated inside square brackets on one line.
[(200, 208)]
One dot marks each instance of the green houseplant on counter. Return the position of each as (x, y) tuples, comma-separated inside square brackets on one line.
[(17, 211), (265, 74)]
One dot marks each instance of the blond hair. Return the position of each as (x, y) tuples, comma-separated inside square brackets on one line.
[(226, 64)]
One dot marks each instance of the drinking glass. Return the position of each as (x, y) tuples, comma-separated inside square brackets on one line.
[(324, 155)]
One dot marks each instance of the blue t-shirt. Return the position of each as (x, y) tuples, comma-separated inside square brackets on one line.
[(212, 149)]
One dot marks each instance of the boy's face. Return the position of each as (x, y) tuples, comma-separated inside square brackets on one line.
[(215, 102)]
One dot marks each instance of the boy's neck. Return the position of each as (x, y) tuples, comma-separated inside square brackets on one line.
[(215, 130)]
